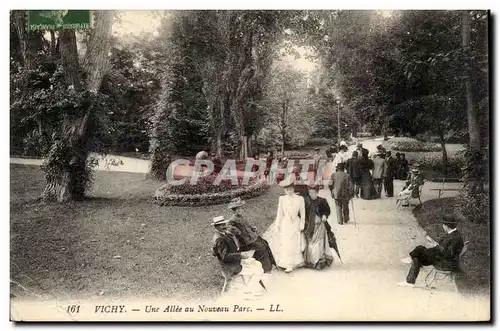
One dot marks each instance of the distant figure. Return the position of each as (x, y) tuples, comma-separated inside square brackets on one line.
[(404, 166), (379, 171), (255, 167), (317, 158), (361, 150), (366, 165), (217, 163), (329, 153), (342, 190), (381, 150), (269, 162), (352, 167), (412, 185), (341, 157), (398, 165), (444, 256), (390, 175)]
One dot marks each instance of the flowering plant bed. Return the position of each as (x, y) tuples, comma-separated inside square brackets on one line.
[(205, 193)]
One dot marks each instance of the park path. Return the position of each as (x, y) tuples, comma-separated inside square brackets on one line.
[(363, 288)]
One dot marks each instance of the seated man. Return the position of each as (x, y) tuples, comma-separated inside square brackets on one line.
[(232, 260), (248, 237), (444, 256)]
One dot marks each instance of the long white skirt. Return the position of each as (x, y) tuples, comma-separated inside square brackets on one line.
[(285, 244)]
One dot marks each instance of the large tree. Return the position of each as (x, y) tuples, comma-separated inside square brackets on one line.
[(67, 166)]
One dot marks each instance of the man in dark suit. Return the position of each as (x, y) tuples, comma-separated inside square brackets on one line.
[(444, 256), (352, 166), (361, 150), (390, 175), (342, 189)]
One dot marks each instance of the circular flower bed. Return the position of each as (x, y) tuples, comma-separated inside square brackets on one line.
[(206, 193)]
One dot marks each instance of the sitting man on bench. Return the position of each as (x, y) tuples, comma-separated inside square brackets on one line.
[(444, 256), (232, 260)]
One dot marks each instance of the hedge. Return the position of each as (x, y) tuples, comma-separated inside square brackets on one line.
[(412, 145), (435, 162)]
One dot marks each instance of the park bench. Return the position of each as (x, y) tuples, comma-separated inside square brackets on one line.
[(434, 274), (442, 190)]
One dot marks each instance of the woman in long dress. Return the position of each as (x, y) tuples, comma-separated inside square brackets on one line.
[(318, 252), (288, 242), (368, 191)]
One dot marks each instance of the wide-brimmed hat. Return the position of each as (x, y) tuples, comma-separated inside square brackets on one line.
[(288, 182), (236, 203), (219, 220), (314, 186), (316, 148), (359, 145)]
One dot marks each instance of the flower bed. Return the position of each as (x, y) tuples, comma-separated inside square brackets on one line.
[(412, 145), (205, 193)]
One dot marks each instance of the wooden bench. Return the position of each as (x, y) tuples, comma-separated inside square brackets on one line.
[(441, 190)]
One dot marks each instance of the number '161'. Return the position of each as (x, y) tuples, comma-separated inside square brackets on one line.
[(73, 309)]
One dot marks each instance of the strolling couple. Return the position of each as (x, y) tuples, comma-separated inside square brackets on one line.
[(299, 235)]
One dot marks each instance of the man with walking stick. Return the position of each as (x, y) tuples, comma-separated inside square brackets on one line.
[(342, 190)]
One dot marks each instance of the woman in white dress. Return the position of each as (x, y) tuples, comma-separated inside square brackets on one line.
[(288, 243)]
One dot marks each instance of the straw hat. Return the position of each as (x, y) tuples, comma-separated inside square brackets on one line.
[(236, 203), (219, 220)]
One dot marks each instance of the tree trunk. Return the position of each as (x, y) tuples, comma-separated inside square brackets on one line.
[(445, 155), (474, 129), (52, 42), (283, 135), (21, 24), (67, 174), (472, 173)]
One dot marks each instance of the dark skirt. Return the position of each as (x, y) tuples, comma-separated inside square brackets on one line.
[(263, 253), (367, 189)]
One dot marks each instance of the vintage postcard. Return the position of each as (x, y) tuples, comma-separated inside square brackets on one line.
[(249, 165)]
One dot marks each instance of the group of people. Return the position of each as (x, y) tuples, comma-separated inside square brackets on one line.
[(300, 237)]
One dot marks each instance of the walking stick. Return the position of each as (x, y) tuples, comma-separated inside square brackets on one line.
[(353, 214)]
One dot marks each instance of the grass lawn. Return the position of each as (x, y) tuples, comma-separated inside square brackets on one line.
[(476, 261), (117, 243)]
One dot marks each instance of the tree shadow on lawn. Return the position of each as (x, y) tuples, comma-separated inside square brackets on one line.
[(118, 243)]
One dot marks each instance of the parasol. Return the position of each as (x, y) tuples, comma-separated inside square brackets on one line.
[(332, 241)]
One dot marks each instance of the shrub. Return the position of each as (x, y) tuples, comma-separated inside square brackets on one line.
[(412, 145), (319, 141), (202, 195), (474, 207), (434, 162)]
